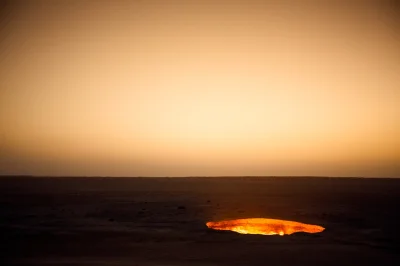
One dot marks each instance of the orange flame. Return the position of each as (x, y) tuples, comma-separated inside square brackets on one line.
[(262, 226)]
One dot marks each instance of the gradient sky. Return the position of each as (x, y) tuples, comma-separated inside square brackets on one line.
[(192, 88)]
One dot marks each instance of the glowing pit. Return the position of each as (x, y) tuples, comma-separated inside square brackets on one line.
[(262, 226)]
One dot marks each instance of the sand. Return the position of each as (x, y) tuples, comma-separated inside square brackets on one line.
[(161, 221)]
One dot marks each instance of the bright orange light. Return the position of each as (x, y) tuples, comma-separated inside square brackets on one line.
[(262, 226)]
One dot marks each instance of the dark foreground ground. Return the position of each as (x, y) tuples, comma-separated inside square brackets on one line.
[(161, 221)]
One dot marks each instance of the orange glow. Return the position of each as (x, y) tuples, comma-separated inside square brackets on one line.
[(200, 88), (262, 226)]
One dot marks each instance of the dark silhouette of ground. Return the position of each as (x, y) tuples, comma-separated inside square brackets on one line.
[(161, 221)]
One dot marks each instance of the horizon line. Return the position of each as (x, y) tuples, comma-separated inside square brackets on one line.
[(195, 176)]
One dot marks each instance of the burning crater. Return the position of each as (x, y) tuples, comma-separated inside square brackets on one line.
[(262, 226)]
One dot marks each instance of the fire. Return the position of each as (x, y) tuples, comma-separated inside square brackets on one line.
[(262, 226)]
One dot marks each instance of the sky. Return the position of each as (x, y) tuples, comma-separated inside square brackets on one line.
[(200, 88)]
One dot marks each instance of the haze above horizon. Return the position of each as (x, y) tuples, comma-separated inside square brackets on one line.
[(200, 88)]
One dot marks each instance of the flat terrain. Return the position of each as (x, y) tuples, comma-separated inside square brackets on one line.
[(161, 221)]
